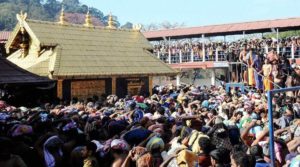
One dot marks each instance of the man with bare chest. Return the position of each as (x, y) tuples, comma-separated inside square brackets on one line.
[(244, 60), (267, 70)]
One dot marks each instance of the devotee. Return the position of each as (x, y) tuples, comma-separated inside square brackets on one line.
[(244, 60), (257, 65), (187, 125), (251, 58), (267, 70)]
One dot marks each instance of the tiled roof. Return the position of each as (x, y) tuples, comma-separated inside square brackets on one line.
[(11, 73), (4, 35), (94, 51), (226, 29)]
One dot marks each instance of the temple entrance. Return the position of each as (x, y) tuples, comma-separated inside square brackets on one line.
[(90, 88), (132, 86)]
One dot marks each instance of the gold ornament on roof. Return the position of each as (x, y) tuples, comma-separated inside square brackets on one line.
[(62, 19), (137, 27), (88, 19), (111, 23), (24, 43), (21, 18)]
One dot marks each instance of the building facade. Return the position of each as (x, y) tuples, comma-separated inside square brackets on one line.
[(86, 60)]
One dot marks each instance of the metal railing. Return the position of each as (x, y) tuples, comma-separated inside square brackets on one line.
[(186, 57), (237, 67), (270, 118), (235, 72), (175, 58), (189, 55)]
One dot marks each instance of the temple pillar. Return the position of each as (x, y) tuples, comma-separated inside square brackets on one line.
[(150, 85), (213, 77), (177, 80), (60, 88)]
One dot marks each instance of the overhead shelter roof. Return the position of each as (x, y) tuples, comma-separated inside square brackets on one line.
[(11, 73), (88, 52), (226, 29)]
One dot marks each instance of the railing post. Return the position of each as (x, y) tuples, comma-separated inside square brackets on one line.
[(236, 73), (241, 74), (203, 48), (158, 55), (266, 49), (180, 56), (271, 131), (203, 52), (177, 80), (217, 59), (293, 51), (192, 55), (277, 41), (169, 58), (270, 119), (213, 77), (228, 72)]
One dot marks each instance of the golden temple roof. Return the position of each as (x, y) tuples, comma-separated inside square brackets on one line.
[(90, 52)]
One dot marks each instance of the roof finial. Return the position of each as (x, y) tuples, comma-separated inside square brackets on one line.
[(88, 19), (62, 19), (110, 23), (137, 27), (22, 16), (22, 19)]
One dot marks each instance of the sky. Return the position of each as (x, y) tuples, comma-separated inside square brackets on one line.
[(196, 12)]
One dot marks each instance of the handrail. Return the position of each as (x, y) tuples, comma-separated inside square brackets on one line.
[(247, 65), (262, 75), (285, 74)]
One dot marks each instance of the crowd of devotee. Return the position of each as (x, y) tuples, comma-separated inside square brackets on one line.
[(182, 125), (261, 63), (225, 50)]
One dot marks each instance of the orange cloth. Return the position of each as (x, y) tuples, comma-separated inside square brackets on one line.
[(186, 158), (268, 84), (251, 78)]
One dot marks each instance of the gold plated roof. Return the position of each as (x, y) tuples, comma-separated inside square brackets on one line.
[(91, 51)]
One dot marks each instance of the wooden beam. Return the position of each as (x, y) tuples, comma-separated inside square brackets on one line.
[(150, 85), (113, 85), (60, 88), (109, 76)]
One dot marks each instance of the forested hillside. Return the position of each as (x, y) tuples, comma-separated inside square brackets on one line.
[(48, 10)]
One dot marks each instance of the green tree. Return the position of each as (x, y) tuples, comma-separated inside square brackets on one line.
[(127, 25), (47, 10), (72, 6), (52, 7), (7, 16), (97, 13), (115, 19), (284, 34)]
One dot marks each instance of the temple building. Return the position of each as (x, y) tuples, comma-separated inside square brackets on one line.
[(86, 60)]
